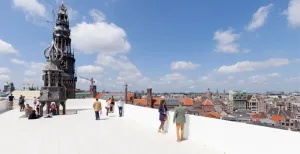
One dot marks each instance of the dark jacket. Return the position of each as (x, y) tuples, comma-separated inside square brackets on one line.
[(32, 116), (22, 101), (162, 112)]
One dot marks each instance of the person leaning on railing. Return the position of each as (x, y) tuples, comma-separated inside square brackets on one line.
[(179, 119)]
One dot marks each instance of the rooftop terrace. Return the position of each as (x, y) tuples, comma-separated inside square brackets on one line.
[(135, 133), (81, 134)]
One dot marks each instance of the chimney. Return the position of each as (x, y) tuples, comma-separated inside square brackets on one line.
[(126, 94), (149, 97)]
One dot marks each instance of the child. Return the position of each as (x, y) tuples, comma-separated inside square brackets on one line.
[(34, 101), (53, 109)]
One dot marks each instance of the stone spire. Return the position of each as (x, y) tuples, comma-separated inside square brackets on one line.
[(59, 72), (209, 94)]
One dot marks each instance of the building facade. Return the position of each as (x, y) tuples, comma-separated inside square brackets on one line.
[(239, 99), (252, 102)]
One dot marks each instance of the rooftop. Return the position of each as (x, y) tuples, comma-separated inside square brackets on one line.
[(135, 133), (81, 133)]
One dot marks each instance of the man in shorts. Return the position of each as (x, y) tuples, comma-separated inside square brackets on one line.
[(11, 101)]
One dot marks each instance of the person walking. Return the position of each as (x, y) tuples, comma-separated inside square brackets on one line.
[(107, 106), (11, 101), (22, 103), (162, 116), (179, 119), (97, 108), (120, 104), (112, 102)]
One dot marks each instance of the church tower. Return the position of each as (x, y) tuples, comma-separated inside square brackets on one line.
[(59, 72), (61, 36)]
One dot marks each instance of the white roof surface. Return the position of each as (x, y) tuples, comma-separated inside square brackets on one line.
[(82, 134)]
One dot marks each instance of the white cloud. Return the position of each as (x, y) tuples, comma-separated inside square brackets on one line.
[(230, 77), (226, 41), (204, 78), (30, 7), (259, 17), (73, 14), (117, 62), (248, 66), (183, 65), (19, 62), (172, 77), (293, 13), (258, 79), (110, 42), (4, 70), (35, 66), (30, 65), (33, 69), (83, 81), (100, 36), (4, 78), (30, 73), (128, 72), (192, 87), (273, 75), (89, 69), (97, 15), (6, 48), (241, 82)]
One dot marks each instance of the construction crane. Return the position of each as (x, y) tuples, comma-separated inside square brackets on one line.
[(93, 88), (91, 80)]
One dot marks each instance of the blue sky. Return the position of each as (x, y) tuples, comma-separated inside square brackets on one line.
[(167, 45)]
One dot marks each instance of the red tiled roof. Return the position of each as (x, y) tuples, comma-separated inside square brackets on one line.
[(188, 101), (142, 102), (257, 116), (99, 96), (215, 115), (130, 95), (156, 101), (198, 100), (276, 118), (207, 102)]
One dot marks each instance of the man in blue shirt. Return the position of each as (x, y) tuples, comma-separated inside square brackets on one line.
[(11, 100)]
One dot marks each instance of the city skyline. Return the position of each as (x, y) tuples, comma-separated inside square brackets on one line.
[(170, 46)]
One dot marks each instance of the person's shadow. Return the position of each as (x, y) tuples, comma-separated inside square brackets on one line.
[(187, 127), (167, 122)]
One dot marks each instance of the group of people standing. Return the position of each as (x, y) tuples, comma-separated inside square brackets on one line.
[(179, 118), (179, 114), (109, 106)]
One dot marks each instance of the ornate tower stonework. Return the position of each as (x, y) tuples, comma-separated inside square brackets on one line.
[(59, 72)]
